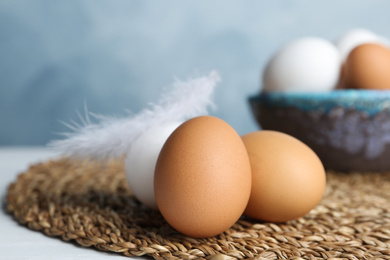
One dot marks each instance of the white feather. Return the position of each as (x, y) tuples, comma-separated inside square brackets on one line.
[(112, 137)]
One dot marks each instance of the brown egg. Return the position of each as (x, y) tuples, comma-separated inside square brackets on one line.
[(288, 178), (368, 67), (202, 179)]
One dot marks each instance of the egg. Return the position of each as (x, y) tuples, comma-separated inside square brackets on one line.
[(305, 64), (202, 179), (141, 161), (368, 67), (288, 178), (355, 37)]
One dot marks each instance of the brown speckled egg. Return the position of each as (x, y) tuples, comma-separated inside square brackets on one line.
[(368, 67), (202, 179), (288, 178)]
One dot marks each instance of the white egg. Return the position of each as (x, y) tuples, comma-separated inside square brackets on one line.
[(141, 161), (351, 39), (306, 64)]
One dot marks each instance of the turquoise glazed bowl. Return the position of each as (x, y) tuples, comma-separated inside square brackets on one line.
[(348, 129)]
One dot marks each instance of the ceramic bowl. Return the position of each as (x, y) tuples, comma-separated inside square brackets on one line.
[(348, 129)]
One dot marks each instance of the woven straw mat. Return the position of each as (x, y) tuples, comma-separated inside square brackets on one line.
[(92, 205)]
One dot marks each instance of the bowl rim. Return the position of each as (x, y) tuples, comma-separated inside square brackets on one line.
[(368, 101)]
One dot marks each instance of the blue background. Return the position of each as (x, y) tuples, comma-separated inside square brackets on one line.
[(119, 55)]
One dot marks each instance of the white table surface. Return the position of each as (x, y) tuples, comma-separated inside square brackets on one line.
[(19, 242)]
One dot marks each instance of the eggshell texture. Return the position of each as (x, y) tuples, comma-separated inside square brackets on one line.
[(141, 161), (368, 67), (288, 178), (306, 64), (202, 179)]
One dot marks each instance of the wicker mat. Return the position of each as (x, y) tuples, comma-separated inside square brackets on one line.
[(92, 204)]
